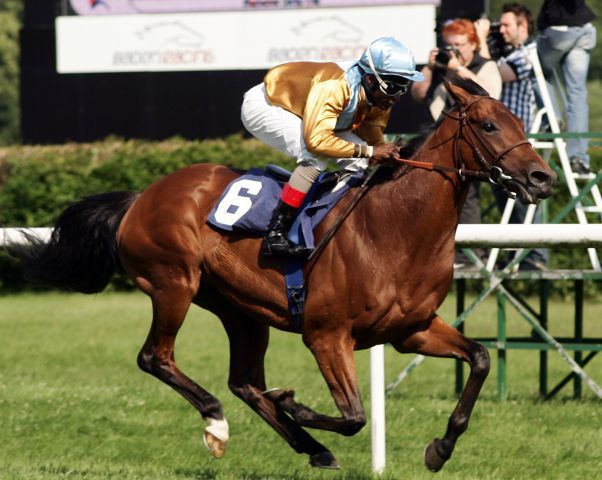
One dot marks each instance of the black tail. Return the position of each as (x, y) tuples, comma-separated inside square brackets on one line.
[(82, 252)]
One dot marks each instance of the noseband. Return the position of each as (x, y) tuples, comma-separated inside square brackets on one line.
[(492, 171)]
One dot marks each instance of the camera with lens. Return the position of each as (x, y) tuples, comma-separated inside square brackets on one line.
[(444, 55), (498, 47)]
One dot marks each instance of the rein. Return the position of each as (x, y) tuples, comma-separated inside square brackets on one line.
[(483, 176)]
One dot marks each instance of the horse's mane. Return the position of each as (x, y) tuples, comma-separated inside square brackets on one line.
[(411, 148), (415, 143), (469, 85)]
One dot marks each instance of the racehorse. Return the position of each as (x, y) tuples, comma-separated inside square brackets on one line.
[(380, 278)]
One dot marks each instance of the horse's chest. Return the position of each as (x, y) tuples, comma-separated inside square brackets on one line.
[(405, 306), (419, 298)]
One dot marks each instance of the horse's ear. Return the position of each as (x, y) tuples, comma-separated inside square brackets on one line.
[(457, 92)]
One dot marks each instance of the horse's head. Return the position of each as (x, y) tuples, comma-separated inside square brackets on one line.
[(489, 138)]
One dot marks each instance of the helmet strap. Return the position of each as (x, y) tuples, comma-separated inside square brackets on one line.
[(380, 81)]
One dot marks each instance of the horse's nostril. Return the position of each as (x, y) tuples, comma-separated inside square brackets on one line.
[(541, 178)]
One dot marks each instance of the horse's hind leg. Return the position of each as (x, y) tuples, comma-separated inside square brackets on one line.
[(248, 345), (442, 340), (170, 306)]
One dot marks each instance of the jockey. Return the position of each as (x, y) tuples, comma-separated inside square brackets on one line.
[(319, 111)]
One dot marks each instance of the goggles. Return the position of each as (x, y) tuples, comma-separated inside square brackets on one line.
[(392, 89)]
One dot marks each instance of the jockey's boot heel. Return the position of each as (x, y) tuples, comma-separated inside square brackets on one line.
[(276, 242)]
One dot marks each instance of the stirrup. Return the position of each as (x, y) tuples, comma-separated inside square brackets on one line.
[(283, 249)]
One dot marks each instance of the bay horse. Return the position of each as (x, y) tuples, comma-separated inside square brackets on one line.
[(380, 279)]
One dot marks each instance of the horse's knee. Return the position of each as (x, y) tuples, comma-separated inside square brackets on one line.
[(354, 424), (245, 392), (237, 389), (144, 361), (149, 362), (480, 362)]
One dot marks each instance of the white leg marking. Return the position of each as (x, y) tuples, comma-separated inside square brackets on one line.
[(218, 428)]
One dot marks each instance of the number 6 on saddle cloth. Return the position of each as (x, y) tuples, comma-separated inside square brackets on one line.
[(247, 204)]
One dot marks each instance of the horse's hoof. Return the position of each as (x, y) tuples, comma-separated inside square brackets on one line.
[(432, 459), (278, 394), (324, 460), (216, 447)]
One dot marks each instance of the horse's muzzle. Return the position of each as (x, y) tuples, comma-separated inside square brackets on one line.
[(537, 186), (540, 183)]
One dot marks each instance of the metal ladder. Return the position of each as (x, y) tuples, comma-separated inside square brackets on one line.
[(560, 145)]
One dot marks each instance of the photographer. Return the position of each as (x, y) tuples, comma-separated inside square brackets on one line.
[(458, 56), (516, 26)]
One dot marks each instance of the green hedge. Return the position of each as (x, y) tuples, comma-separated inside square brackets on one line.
[(37, 183), (10, 23)]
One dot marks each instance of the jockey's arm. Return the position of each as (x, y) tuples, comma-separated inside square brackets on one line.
[(372, 129), (325, 103)]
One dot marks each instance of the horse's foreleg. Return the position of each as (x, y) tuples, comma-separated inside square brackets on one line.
[(442, 340), (248, 345), (157, 358), (334, 355)]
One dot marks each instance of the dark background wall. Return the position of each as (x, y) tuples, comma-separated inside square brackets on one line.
[(85, 107)]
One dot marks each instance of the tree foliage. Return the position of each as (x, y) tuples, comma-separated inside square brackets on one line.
[(10, 15)]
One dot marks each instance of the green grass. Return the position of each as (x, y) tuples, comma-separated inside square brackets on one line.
[(74, 405)]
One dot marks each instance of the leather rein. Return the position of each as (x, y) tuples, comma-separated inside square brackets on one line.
[(491, 171)]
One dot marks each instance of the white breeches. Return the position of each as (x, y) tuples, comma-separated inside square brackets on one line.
[(283, 131)]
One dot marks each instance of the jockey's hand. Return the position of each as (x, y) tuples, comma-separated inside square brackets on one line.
[(385, 151)]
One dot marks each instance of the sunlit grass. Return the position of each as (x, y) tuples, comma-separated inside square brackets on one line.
[(73, 404)]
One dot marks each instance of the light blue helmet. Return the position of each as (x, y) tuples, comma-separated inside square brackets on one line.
[(388, 56)]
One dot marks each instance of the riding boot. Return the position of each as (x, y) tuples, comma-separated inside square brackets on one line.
[(276, 241)]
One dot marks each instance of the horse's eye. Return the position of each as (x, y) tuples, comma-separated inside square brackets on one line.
[(488, 126)]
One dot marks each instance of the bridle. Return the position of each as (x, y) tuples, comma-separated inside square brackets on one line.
[(491, 172)]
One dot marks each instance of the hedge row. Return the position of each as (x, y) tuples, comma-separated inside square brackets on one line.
[(36, 183)]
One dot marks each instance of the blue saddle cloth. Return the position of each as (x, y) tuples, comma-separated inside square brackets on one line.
[(248, 203)]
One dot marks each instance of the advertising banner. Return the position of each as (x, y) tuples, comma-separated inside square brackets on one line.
[(235, 40)]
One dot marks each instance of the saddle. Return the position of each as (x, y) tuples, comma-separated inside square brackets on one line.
[(247, 203)]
